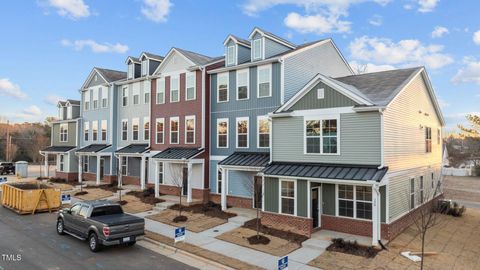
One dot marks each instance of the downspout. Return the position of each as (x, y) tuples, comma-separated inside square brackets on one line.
[(378, 222), (382, 138)]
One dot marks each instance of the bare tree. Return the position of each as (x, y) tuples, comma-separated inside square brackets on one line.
[(255, 189), (176, 174)]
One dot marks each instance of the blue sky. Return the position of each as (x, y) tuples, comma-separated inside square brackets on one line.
[(48, 47)]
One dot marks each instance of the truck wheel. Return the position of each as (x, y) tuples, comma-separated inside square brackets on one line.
[(93, 243), (60, 227), (130, 244)]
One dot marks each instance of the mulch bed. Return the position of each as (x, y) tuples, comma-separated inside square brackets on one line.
[(258, 240), (178, 219), (108, 187), (146, 196), (57, 180), (290, 236), (80, 193), (353, 248), (210, 209)]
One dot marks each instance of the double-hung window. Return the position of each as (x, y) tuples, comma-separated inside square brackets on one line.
[(242, 132), (144, 67), (86, 100), (412, 193), (104, 93), (131, 70), (190, 129), (439, 136), (242, 84), (136, 94), (125, 96), (287, 197), (124, 129), (146, 128), (95, 98), (355, 201), (222, 133), (421, 199), (146, 92), (222, 87), (345, 201), (174, 89), (160, 130), (85, 161), (94, 130), (428, 139), (263, 132), (160, 172), (124, 168), (86, 131), (257, 48), (69, 112), (104, 130), (190, 86), (264, 74), (231, 55), (174, 130), (135, 127), (219, 180), (61, 162), (321, 136), (63, 132), (363, 202), (160, 91)]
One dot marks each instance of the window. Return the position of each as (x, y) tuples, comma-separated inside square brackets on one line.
[(263, 131), (345, 201), (428, 139), (190, 129), (146, 128), (61, 162), (94, 130), (231, 55), (85, 163), (60, 113), (161, 91), (135, 127), (86, 99), (363, 202), (242, 84), (174, 130), (219, 180), (104, 130), (104, 92), (160, 172), (287, 197), (321, 140), (83, 211), (63, 132), (222, 133), (131, 69), (242, 132), (355, 201), (222, 87), (136, 94), (320, 93), (174, 92), (146, 93), (69, 112), (264, 81), (86, 130), (190, 88), (144, 67), (421, 199), (160, 126), (124, 96), (124, 130), (412, 193), (439, 136), (76, 209), (257, 48), (95, 98), (124, 166)]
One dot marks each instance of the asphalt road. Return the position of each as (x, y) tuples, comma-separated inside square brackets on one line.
[(31, 242)]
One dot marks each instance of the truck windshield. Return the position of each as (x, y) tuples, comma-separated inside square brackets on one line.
[(106, 210)]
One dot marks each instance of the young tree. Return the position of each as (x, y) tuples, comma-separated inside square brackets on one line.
[(177, 174), (255, 189)]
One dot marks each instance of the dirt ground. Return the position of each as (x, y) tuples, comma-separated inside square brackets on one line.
[(457, 240), (94, 194), (195, 222), (462, 188), (276, 247), (134, 205)]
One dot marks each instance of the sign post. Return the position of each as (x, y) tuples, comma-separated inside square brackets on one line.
[(283, 263), (66, 198), (179, 234)]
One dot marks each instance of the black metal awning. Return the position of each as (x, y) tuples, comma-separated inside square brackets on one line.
[(93, 148), (58, 149), (247, 159), (179, 153), (326, 171), (133, 149)]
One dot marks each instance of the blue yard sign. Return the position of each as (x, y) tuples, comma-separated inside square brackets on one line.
[(66, 199), (179, 234), (3, 180), (283, 263)]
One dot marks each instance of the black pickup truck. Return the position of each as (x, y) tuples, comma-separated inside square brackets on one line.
[(7, 168), (102, 223)]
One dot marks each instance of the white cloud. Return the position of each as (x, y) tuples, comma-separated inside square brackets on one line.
[(156, 10), (360, 68), (73, 9), (52, 99), (476, 37), (376, 20), (469, 73), (405, 53), (94, 46), (8, 88), (427, 5), (317, 24), (33, 110), (439, 31)]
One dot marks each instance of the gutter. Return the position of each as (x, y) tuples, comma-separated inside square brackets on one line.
[(245, 65), (382, 138)]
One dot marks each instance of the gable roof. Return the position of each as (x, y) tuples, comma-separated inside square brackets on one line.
[(238, 40), (133, 59), (158, 58), (194, 58), (108, 75), (61, 103), (73, 102), (272, 37)]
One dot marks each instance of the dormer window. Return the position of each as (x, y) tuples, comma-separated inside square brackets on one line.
[(144, 67), (131, 69), (69, 112), (60, 113), (231, 55), (257, 49)]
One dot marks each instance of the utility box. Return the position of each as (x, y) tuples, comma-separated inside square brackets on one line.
[(21, 169)]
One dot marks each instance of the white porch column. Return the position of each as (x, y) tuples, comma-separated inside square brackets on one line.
[(120, 173), (157, 181), (142, 173), (98, 171), (189, 182), (224, 189), (80, 169), (46, 164), (375, 215)]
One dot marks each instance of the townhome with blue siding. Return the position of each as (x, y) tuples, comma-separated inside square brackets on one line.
[(133, 119), (259, 75), (98, 110)]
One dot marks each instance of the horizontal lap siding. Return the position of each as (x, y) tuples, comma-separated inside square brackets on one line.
[(273, 48), (243, 54), (213, 175), (71, 135), (240, 183)]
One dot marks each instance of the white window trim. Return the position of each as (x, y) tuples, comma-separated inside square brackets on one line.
[(227, 75), (69, 112), (253, 49), (86, 101), (412, 192), (94, 127), (85, 161), (66, 132), (136, 92), (145, 67), (146, 120), (238, 119), (217, 180), (104, 97), (228, 131), (131, 70), (147, 90), (194, 74), (170, 129), (321, 118), (95, 94), (61, 162), (86, 131), (138, 129), (264, 117), (337, 205), (189, 117), (162, 172), (231, 61), (294, 196), (247, 71), (421, 189), (125, 95), (177, 77), (321, 93), (269, 66), (124, 164), (160, 82), (106, 130), (121, 129), (160, 120)]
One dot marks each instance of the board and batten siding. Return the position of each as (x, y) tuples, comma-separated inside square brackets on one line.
[(405, 120), (332, 99), (271, 195), (302, 198), (71, 134), (359, 140)]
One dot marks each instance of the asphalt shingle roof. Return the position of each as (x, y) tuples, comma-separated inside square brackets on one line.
[(74, 102), (178, 153), (154, 56), (133, 149), (198, 59), (112, 75), (247, 159), (277, 37), (58, 149), (93, 148), (242, 40)]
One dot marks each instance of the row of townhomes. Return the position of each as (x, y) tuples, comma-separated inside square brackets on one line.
[(286, 128)]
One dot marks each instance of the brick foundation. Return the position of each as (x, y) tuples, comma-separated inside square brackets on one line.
[(347, 225), (109, 178), (233, 201), (293, 224), (169, 190), (201, 194), (130, 180), (89, 176), (93, 177), (69, 176)]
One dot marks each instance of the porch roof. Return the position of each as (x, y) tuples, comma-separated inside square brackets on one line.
[(93, 148), (179, 153), (58, 149), (247, 159), (326, 171), (133, 149)]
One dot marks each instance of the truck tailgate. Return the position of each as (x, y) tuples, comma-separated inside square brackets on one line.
[(118, 219)]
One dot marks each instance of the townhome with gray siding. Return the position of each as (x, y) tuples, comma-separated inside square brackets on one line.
[(260, 73), (357, 154)]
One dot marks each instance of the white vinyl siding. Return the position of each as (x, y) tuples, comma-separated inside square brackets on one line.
[(160, 130), (190, 86), (174, 89), (160, 91), (264, 85), (222, 133), (242, 84), (222, 87), (69, 112)]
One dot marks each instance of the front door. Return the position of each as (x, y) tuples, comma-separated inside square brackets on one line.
[(185, 182), (102, 168), (258, 192), (315, 206)]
